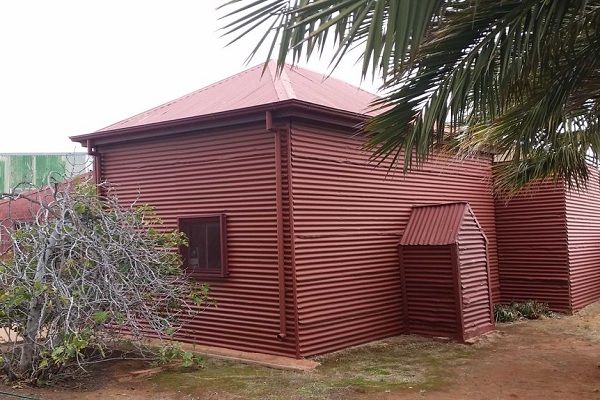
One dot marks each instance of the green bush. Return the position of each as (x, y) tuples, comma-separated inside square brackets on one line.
[(529, 309)]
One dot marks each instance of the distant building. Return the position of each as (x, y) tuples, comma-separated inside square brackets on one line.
[(23, 171)]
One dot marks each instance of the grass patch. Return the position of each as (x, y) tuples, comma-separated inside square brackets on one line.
[(394, 364)]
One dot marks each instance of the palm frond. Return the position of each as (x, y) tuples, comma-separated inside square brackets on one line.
[(511, 75), (389, 32), (520, 77)]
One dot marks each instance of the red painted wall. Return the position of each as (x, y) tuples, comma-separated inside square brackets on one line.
[(532, 246), (342, 223), (430, 291), (19, 210), (583, 230), (231, 172), (348, 218), (476, 300)]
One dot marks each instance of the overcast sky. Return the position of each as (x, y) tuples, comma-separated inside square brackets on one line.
[(69, 67)]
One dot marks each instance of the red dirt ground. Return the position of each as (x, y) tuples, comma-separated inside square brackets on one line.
[(549, 359)]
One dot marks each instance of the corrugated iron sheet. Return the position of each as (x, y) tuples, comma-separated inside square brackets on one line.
[(474, 278), (348, 219), (458, 274), (219, 172), (26, 208), (532, 246), (583, 230), (435, 225), (252, 88), (431, 305)]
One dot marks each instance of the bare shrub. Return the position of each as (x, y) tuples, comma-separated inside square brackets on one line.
[(83, 274)]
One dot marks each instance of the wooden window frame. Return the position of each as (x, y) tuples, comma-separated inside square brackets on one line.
[(185, 224)]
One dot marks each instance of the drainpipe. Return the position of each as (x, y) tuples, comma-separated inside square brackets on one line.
[(96, 166), (280, 244)]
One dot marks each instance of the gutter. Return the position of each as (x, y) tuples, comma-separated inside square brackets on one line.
[(279, 209), (253, 114), (96, 166)]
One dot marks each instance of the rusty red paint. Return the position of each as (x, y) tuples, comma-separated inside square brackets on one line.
[(533, 247), (430, 291), (477, 305), (340, 216), (421, 231), (583, 230), (445, 272), (289, 200), (549, 244), (458, 292), (325, 271), (280, 233), (229, 172), (348, 219), (26, 206)]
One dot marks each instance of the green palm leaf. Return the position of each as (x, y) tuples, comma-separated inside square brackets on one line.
[(517, 77)]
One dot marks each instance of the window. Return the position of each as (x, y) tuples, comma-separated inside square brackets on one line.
[(206, 252)]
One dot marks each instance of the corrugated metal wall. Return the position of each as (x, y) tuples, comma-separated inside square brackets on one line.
[(532, 246), (15, 211), (348, 218), (583, 229), (476, 299), (22, 209), (430, 291), (217, 172)]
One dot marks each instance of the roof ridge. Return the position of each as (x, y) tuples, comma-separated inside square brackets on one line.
[(282, 83)]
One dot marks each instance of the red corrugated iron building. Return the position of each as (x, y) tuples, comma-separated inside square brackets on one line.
[(549, 244), (294, 229), (267, 176)]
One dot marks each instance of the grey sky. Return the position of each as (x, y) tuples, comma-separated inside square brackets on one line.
[(70, 67)]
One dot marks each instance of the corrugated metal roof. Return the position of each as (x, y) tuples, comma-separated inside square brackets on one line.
[(434, 225), (253, 88)]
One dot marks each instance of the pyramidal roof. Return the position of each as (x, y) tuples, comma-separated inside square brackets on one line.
[(254, 88)]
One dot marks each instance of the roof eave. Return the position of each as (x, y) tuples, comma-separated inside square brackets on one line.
[(287, 108)]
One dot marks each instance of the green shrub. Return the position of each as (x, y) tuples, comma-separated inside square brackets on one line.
[(529, 309), (532, 309), (505, 313)]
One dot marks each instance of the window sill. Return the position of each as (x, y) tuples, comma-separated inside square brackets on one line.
[(206, 275)]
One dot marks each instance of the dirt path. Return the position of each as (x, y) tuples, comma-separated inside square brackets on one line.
[(547, 359)]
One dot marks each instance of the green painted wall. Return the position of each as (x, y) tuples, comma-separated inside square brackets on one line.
[(26, 171), (47, 166), (2, 173), (21, 171)]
